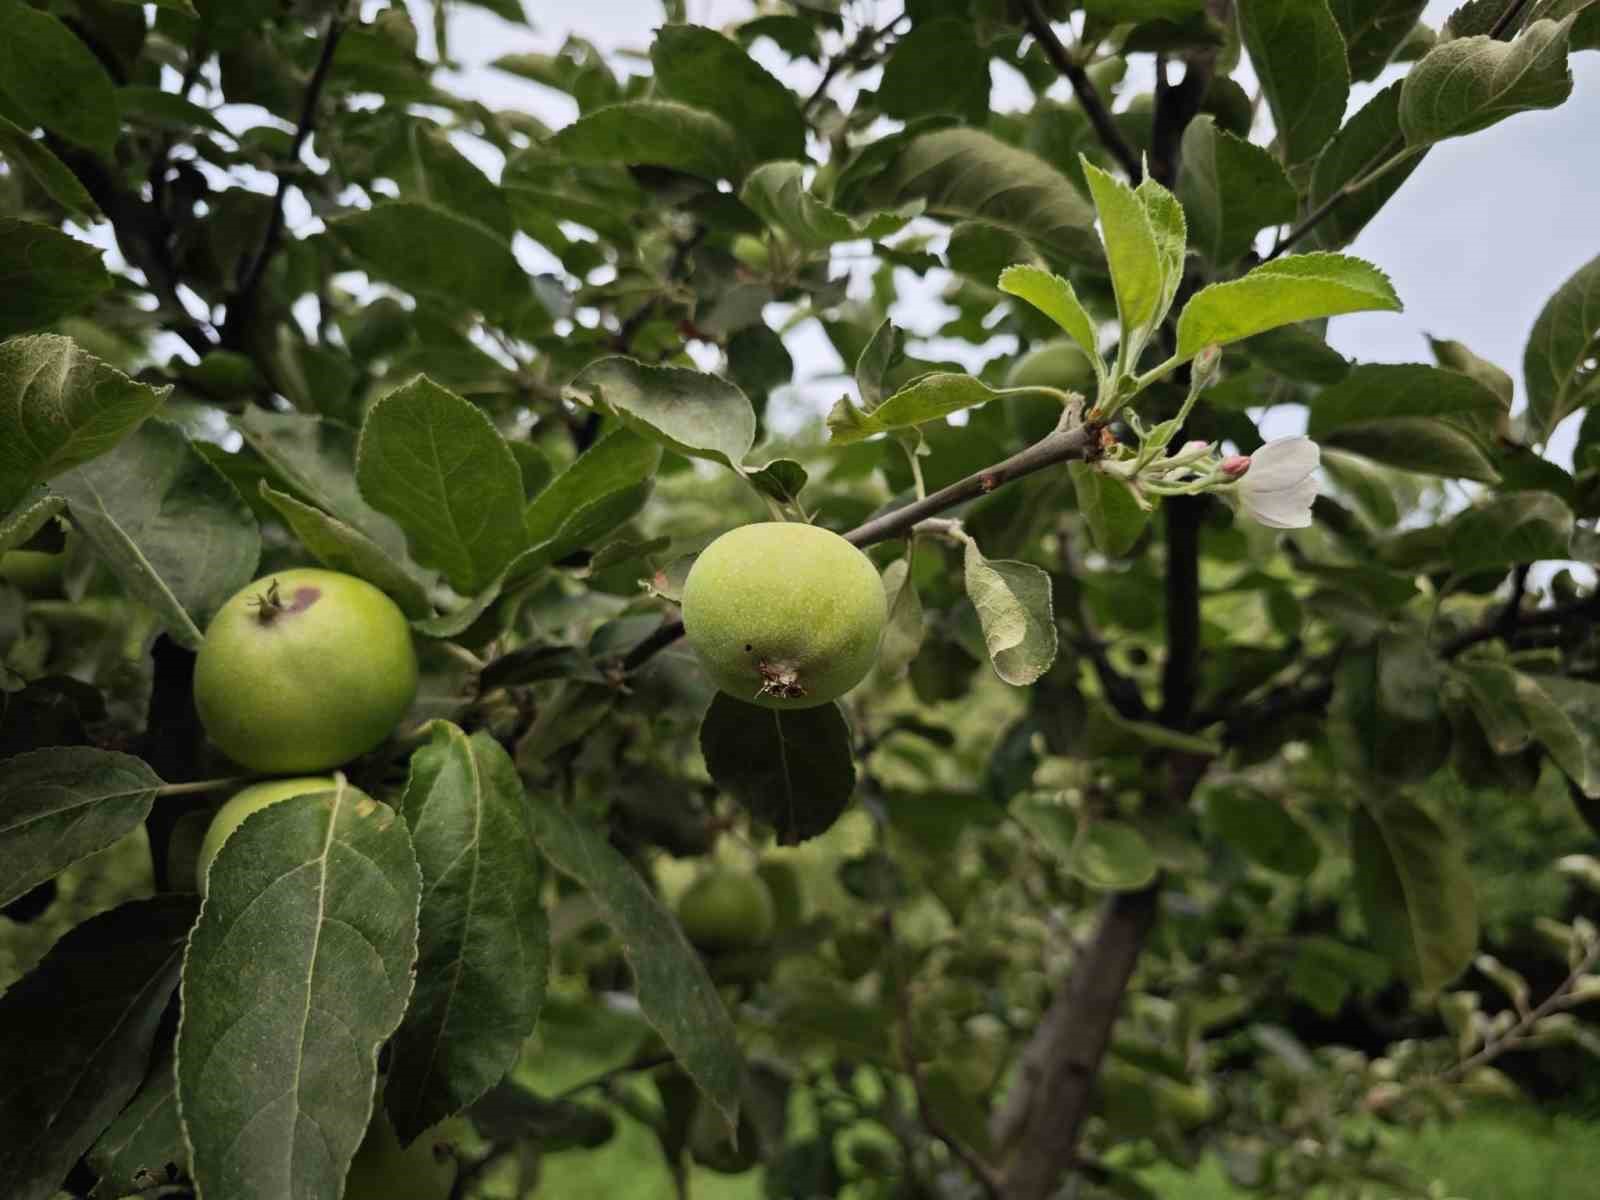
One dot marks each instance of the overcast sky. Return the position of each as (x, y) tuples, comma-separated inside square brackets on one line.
[(1476, 240)]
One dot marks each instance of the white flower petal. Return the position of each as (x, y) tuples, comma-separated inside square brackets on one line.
[(1283, 461), (1282, 508)]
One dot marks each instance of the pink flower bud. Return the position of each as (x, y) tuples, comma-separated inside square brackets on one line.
[(1194, 447), (1235, 465)]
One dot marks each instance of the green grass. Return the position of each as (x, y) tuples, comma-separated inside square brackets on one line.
[(1498, 1154)]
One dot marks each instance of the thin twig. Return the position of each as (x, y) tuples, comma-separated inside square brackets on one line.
[(636, 1066), (241, 308), (1556, 1001), (1509, 623), (852, 56), (1089, 99)]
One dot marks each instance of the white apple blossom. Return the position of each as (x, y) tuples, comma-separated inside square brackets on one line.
[(1278, 482)]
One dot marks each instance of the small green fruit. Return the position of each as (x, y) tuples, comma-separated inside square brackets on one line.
[(727, 910), (304, 670), (1055, 364), (784, 615), (33, 572), (424, 1170), (783, 881), (252, 799)]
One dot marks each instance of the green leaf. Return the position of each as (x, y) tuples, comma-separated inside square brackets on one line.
[(782, 479), (1231, 190), (675, 994), (151, 106), (96, 1003), (1557, 365), (317, 457), (937, 68), (691, 412), (1470, 83), (483, 947), (1457, 357), (1299, 56), (52, 175), (776, 193), (60, 407), (63, 804), (1365, 142), (656, 133), (966, 174), (1564, 715), (1054, 297), (1138, 271), (613, 468), (903, 634), (1423, 444), (706, 70), (791, 769), (1502, 699), (434, 253), (1415, 891), (439, 467), (926, 399), (44, 275), (1373, 391), (55, 79), (1374, 30), (341, 547), (885, 350), (1299, 287), (1261, 829), (168, 524), (1015, 612), (1112, 856), (1115, 518), (1523, 527), (28, 517), (146, 1135), (297, 972)]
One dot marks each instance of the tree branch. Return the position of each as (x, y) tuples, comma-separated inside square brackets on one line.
[(1178, 676), (856, 53), (243, 304), (1089, 99), (1063, 445), (1511, 620)]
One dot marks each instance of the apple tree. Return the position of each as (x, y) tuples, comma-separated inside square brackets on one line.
[(1062, 773)]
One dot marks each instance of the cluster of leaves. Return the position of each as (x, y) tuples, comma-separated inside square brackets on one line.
[(1078, 710)]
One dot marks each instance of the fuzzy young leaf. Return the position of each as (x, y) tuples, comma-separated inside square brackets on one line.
[(297, 972), (168, 524), (776, 192), (1138, 269), (1415, 890), (1557, 365), (688, 411), (656, 133), (791, 769), (483, 950), (1231, 189), (1054, 297), (1299, 55), (340, 547), (709, 71), (60, 407), (885, 350), (96, 1001), (1470, 83), (439, 467), (1115, 519), (927, 399), (675, 994), (1300, 287), (1015, 611)]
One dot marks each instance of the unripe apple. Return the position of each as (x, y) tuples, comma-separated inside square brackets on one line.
[(1055, 364), (252, 799), (424, 1170), (727, 910), (784, 615)]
